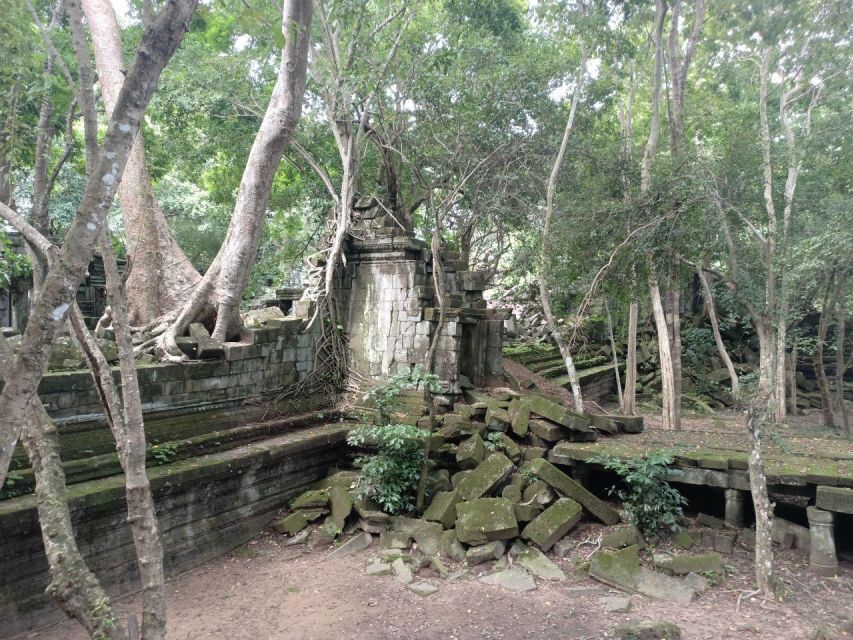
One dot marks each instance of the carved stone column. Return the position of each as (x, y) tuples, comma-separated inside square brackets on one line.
[(822, 539)]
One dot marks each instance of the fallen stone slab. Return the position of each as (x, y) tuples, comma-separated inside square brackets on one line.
[(316, 498), (537, 563), (443, 508), (693, 563), (402, 571), (647, 630), (379, 569), (292, 524), (683, 539), (838, 499), (488, 475), (616, 604), (698, 583), (520, 416), (340, 503), (353, 545), (604, 424), (629, 424), (623, 537), (526, 512), (394, 540), (423, 589), (547, 472), (451, 547), (299, 538), (484, 520), (470, 452), (622, 569), (514, 579), (427, 535), (498, 419), (553, 523), (547, 431), (539, 493), (710, 521), (557, 413), (485, 552)]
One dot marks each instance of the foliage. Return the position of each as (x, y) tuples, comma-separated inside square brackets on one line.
[(494, 441), (648, 500), (13, 265), (385, 395), (164, 453), (698, 346), (391, 475)]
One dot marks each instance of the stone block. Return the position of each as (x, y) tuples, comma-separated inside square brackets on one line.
[(623, 537), (546, 431), (557, 413), (484, 520), (341, 506), (443, 508), (647, 630), (488, 475), (693, 563), (838, 499), (550, 474), (485, 552), (497, 419), (358, 542), (394, 540), (526, 512), (622, 569), (537, 563), (514, 579), (311, 499), (292, 524), (553, 523)]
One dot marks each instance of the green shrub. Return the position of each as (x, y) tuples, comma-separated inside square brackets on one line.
[(494, 441), (386, 395), (648, 500), (390, 476)]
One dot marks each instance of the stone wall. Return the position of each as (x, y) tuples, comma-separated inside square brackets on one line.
[(392, 312), (205, 506)]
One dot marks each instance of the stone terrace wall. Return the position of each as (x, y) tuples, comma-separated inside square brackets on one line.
[(275, 356)]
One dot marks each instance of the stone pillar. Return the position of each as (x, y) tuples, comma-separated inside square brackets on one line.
[(734, 508), (822, 539)]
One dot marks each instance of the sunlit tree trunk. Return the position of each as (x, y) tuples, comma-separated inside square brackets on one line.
[(718, 339), (161, 276), (630, 407)]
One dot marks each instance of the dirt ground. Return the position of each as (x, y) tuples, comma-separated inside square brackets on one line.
[(269, 591)]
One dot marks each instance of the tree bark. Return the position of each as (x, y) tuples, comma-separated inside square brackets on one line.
[(157, 47), (791, 377), (668, 415), (220, 290), (74, 587), (161, 275), (756, 417), (615, 358), (826, 312), (718, 339), (544, 296), (630, 407)]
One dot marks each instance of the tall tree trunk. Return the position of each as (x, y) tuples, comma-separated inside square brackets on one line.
[(161, 276), (615, 358), (673, 323), (74, 587), (826, 312), (791, 377), (630, 407), (718, 339), (544, 295), (668, 414), (221, 289), (756, 417), (840, 361), (156, 48)]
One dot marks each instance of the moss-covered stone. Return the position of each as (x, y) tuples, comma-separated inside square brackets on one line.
[(316, 498), (341, 506), (557, 413), (695, 563), (553, 523), (292, 524), (443, 508), (486, 519), (683, 539), (488, 475), (526, 512), (647, 630), (547, 472), (623, 537), (470, 452), (836, 499)]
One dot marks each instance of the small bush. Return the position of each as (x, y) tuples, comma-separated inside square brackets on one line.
[(391, 475), (648, 500), (494, 441)]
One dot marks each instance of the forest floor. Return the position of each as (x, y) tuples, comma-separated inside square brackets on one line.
[(266, 590)]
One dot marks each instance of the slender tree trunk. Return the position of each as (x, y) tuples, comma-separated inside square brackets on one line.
[(544, 296), (840, 362), (826, 312), (791, 377), (756, 418), (615, 358), (156, 48), (668, 415), (74, 587), (673, 323), (630, 407), (718, 339), (161, 276)]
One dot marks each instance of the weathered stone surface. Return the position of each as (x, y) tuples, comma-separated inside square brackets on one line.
[(553, 523), (537, 563), (470, 452), (394, 540), (538, 492), (683, 539), (822, 555), (341, 506), (647, 630), (488, 475), (510, 448), (292, 524), (694, 563), (313, 513), (457, 477), (443, 508), (780, 528), (531, 453), (724, 541), (696, 582), (427, 535), (299, 538), (629, 424), (512, 579), (423, 589), (838, 499), (616, 604), (710, 521), (497, 419), (623, 537), (547, 431), (198, 330), (439, 480), (622, 569), (557, 413), (526, 512), (486, 519), (451, 547), (402, 571), (520, 416), (485, 552), (353, 545), (311, 499), (547, 472), (259, 317), (378, 568)]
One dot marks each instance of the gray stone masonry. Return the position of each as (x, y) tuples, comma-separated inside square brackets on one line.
[(822, 558), (734, 508)]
